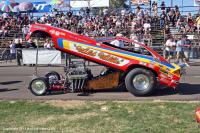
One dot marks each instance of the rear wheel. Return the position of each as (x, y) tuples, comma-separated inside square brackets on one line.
[(38, 86), (140, 82)]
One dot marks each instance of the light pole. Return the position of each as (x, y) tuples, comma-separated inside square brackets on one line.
[(182, 6), (171, 3)]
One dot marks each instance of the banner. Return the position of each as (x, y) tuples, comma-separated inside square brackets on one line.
[(196, 2), (140, 2), (41, 7), (89, 3), (45, 56)]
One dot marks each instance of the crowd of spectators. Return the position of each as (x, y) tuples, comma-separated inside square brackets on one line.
[(9, 22), (135, 24)]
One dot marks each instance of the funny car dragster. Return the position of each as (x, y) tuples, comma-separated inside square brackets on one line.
[(141, 74)]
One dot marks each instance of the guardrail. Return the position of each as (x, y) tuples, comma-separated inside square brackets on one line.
[(6, 56)]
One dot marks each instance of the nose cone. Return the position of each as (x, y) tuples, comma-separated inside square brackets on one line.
[(197, 115)]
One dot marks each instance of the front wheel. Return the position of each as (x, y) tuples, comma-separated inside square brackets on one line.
[(38, 86), (140, 82)]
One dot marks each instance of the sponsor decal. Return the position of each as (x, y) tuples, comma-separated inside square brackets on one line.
[(98, 44), (40, 27), (41, 7), (94, 52), (161, 66), (151, 66), (57, 33), (142, 63), (163, 71), (87, 51), (101, 55), (164, 80), (162, 75), (109, 58), (170, 76), (52, 31)]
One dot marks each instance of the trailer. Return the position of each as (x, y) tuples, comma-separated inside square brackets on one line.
[(140, 71)]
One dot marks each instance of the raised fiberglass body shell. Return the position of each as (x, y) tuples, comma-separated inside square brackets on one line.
[(120, 59)]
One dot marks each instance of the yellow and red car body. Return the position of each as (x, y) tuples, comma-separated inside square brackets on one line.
[(117, 58)]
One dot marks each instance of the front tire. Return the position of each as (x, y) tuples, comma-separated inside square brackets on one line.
[(140, 82), (39, 86)]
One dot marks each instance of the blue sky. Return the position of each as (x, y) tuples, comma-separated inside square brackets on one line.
[(168, 3), (176, 2)]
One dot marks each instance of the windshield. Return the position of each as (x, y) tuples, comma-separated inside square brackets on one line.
[(140, 48), (130, 47)]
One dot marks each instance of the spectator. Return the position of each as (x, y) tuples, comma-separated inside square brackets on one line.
[(147, 27), (162, 19), (118, 43), (179, 49), (137, 47), (19, 50), (31, 44), (177, 13), (155, 8), (171, 17), (190, 22), (198, 23), (186, 49), (47, 44), (169, 48), (25, 31), (182, 50), (162, 6), (18, 40), (12, 50)]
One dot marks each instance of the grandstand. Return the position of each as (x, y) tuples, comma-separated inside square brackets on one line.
[(101, 25)]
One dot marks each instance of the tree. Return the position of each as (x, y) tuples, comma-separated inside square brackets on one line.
[(119, 3)]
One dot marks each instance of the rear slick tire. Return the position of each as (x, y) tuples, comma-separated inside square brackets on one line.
[(53, 77), (140, 82)]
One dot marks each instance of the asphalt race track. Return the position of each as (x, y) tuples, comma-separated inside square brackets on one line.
[(14, 83)]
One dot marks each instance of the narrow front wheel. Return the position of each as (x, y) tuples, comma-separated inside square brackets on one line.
[(38, 86)]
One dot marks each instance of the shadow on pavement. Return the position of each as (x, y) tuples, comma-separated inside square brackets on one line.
[(189, 89), (9, 82), (165, 92), (8, 66), (6, 89), (182, 89)]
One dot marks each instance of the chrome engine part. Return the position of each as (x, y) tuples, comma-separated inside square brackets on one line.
[(76, 74)]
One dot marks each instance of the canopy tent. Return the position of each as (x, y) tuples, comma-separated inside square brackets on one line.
[(60, 4), (56, 2), (25, 6), (7, 5)]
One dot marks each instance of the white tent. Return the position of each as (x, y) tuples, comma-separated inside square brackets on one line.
[(89, 3)]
